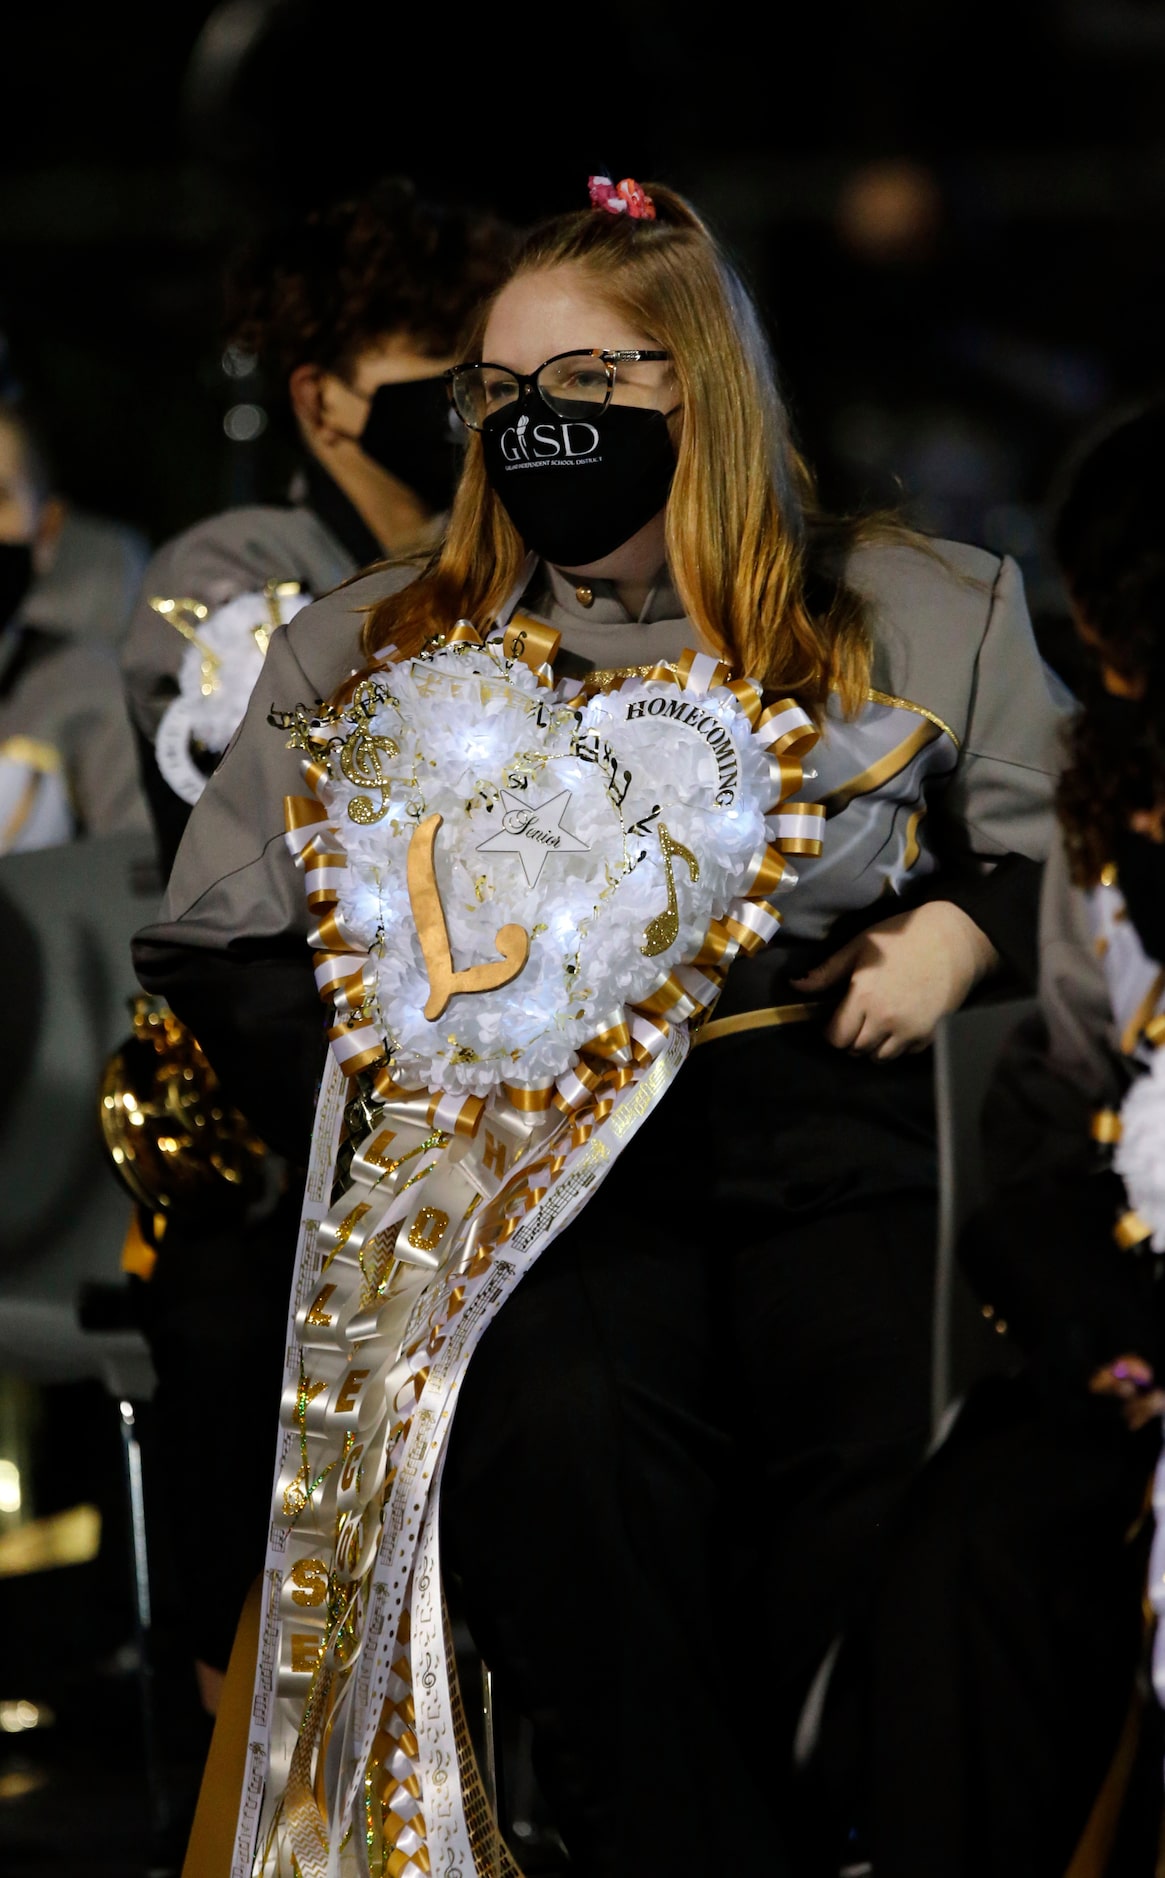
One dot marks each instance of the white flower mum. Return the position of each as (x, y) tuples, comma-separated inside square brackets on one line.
[(213, 693), (1139, 1157), (550, 820)]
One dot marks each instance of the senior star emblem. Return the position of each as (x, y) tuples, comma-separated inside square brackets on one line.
[(532, 831)]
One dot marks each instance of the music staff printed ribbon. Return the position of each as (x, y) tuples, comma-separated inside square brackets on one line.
[(522, 898)]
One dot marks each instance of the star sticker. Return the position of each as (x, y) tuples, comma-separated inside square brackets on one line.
[(533, 831)]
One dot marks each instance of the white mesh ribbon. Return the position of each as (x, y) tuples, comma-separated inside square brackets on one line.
[(1139, 1155)]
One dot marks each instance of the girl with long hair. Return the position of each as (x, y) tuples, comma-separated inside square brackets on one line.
[(678, 1445)]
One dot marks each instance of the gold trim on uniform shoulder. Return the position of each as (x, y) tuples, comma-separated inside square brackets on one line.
[(920, 710), (913, 848), (881, 772), (34, 753)]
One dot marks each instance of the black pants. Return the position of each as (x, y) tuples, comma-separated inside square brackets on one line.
[(215, 1317), (993, 1672), (985, 1686), (678, 1447)]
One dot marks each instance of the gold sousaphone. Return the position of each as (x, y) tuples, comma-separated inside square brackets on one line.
[(176, 1144)]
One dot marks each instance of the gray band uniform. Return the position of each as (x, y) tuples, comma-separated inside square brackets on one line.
[(63, 720), (815, 1217)]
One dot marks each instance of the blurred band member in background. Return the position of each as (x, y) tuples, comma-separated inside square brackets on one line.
[(1009, 1727), (355, 313), (352, 314), (67, 763)]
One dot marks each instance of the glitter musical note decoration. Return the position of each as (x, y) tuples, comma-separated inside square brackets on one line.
[(664, 929), (360, 758)]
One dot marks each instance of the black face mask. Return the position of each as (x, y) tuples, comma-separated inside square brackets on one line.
[(15, 576), (1140, 869), (576, 488), (412, 433)]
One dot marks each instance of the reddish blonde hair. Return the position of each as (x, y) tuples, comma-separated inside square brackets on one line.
[(742, 515)]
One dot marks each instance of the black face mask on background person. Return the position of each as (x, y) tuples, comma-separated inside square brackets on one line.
[(15, 577), (413, 433), (1140, 876), (577, 487)]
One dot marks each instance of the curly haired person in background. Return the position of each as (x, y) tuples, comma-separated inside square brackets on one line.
[(1007, 1724)]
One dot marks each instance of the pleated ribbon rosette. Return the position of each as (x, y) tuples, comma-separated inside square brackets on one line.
[(220, 666), (1139, 1159), (1135, 1137), (522, 898)]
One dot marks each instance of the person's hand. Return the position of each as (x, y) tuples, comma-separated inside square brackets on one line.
[(1130, 1380), (900, 978)]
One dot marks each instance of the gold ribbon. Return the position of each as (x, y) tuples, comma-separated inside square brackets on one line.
[(1106, 1126), (1131, 1231), (1143, 1015), (884, 770), (765, 1019), (531, 641)]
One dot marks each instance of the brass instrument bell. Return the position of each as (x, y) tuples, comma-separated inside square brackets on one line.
[(174, 1141)]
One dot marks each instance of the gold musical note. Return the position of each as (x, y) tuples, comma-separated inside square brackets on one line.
[(663, 930), (179, 613), (360, 762), (360, 758), (513, 942)]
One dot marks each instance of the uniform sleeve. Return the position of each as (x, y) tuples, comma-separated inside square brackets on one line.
[(1000, 796), (98, 748), (230, 953), (996, 817)]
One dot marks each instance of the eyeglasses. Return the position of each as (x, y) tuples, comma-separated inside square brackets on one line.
[(564, 382)]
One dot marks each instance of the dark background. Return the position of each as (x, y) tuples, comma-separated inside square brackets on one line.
[(953, 216)]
